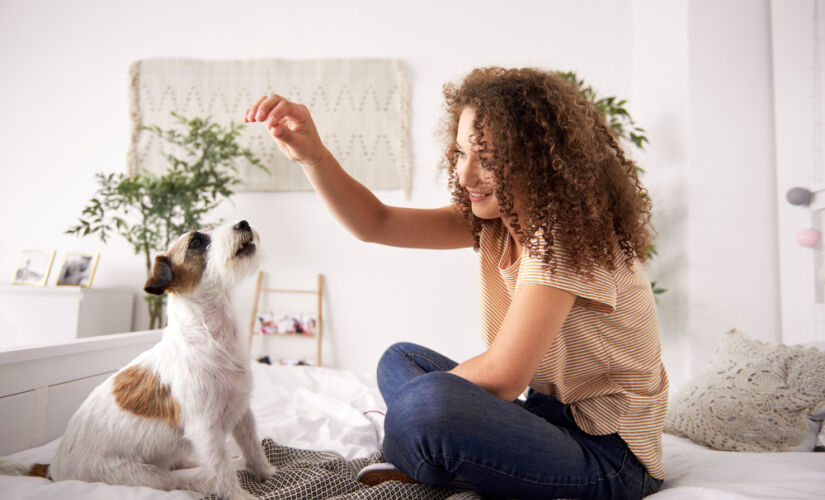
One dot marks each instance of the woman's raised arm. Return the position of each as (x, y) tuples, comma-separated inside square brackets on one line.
[(356, 207)]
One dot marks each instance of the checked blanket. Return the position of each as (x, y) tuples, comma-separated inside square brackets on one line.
[(309, 475)]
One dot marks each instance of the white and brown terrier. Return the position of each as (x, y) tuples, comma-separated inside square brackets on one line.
[(162, 421)]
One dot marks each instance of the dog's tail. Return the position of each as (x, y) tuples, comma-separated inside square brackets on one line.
[(9, 468)]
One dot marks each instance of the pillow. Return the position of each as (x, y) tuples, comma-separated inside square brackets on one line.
[(818, 345), (809, 440), (754, 396), (817, 417), (819, 444)]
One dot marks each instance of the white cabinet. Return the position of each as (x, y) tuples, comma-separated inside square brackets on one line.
[(38, 315)]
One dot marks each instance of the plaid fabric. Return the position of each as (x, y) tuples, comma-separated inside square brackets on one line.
[(309, 475)]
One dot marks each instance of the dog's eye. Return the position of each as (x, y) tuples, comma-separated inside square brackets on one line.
[(195, 243)]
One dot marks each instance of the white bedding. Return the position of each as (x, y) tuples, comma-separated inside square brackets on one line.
[(302, 407), (323, 409), (693, 471)]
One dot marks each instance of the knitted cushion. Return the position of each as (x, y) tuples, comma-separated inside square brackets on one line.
[(754, 396)]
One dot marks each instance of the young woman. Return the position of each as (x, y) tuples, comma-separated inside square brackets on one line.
[(544, 192)]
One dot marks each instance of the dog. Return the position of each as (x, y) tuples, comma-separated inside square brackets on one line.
[(162, 420)]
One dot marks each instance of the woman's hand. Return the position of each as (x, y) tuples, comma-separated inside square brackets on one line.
[(291, 125)]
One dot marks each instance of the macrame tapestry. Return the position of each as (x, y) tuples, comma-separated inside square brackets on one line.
[(360, 107)]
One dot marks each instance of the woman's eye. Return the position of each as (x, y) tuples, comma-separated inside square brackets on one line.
[(459, 153)]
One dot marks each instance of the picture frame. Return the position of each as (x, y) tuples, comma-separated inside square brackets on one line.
[(78, 269), (33, 267)]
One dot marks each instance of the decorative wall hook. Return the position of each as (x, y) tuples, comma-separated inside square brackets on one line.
[(799, 196), (808, 237)]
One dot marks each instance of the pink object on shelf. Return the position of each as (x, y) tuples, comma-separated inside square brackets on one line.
[(808, 237)]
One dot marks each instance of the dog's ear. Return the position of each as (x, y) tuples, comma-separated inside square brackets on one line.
[(161, 276)]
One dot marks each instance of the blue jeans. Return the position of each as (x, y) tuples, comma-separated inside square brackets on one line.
[(440, 427)]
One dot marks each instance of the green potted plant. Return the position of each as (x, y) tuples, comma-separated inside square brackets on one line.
[(613, 110), (150, 211)]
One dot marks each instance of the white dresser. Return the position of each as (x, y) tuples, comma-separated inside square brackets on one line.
[(37, 315)]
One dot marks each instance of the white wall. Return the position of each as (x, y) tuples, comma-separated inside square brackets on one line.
[(732, 236), (702, 87), (660, 104), (65, 117)]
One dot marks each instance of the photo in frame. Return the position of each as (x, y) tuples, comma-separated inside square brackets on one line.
[(33, 267), (78, 269)]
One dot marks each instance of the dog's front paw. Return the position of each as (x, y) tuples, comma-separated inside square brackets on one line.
[(228, 487), (237, 493), (263, 471), (241, 495)]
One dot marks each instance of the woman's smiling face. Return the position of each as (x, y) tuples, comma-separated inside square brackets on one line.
[(480, 185)]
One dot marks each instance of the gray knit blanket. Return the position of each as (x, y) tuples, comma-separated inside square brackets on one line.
[(309, 475)]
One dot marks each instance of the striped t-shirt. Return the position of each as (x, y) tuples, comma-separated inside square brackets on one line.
[(606, 361)]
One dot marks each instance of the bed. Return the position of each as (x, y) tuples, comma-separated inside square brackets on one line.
[(312, 408)]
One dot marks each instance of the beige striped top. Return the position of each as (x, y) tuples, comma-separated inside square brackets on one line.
[(606, 361)]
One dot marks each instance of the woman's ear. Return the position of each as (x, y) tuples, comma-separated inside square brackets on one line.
[(161, 276)]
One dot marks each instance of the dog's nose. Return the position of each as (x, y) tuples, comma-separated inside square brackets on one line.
[(242, 226)]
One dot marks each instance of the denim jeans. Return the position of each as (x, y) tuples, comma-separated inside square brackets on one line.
[(440, 428)]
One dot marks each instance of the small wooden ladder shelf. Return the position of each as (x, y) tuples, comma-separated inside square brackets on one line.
[(257, 300)]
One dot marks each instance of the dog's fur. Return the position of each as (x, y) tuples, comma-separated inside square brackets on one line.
[(162, 420)]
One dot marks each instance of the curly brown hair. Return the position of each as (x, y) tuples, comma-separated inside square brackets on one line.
[(548, 145)]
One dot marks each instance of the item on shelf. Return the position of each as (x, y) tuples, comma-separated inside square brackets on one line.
[(293, 362), (301, 324), (78, 269), (305, 323), (33, 267)]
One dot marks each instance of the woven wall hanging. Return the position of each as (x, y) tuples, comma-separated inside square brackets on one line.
[(360, 106)]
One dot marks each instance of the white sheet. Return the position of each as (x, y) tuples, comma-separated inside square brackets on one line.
[(320, 408), (316, 408), (302, 407), (693, 471)]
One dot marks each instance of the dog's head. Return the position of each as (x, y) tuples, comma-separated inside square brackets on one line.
[(206, 259)]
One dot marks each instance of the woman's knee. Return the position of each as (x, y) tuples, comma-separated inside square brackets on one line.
[(426, 404), (391, 371), (395, 352), (422, 422), (393, 357)]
